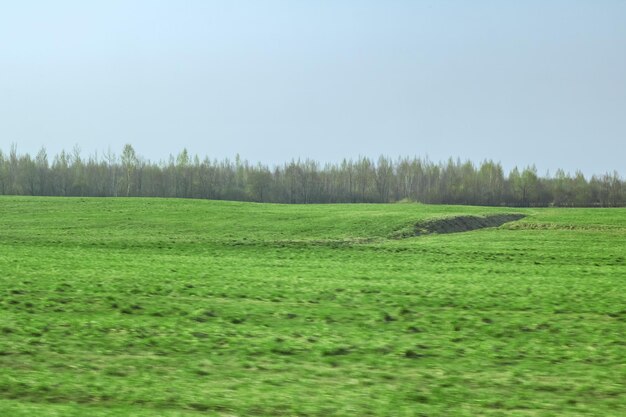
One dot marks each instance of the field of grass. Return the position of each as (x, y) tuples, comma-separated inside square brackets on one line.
[(148, 307)]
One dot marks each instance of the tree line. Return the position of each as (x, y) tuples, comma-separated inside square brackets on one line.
[(361, 180)]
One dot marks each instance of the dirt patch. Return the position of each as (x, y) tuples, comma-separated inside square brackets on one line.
[(463, 223)]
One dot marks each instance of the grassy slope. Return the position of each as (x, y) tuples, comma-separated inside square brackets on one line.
[(183, 308)]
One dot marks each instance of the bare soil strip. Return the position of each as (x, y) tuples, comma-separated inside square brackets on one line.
[(464, 223)]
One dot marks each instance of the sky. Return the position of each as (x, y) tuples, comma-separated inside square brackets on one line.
[(533, 82)]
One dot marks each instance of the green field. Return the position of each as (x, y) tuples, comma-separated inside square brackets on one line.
[(155, 307)]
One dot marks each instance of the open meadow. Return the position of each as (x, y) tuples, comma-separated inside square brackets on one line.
[(165, 307)]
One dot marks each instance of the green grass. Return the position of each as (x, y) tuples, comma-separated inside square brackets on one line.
[(148, 307)]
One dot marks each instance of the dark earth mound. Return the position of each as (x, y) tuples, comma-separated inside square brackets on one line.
[(464, 223)]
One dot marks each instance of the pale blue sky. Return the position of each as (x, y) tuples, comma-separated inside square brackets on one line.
[(523, 82)]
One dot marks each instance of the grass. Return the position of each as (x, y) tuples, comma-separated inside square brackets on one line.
[(149, 307)]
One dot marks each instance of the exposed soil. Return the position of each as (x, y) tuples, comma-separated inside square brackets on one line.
[(464, 223)]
